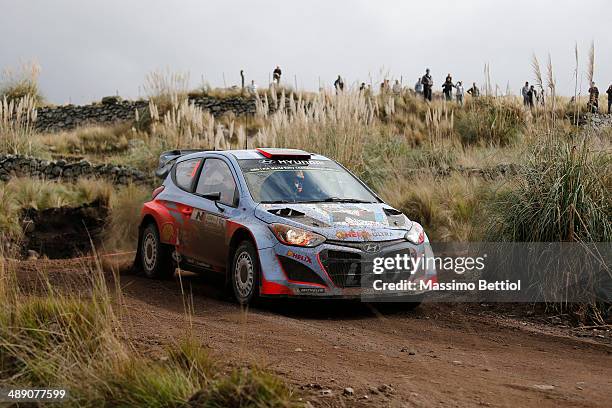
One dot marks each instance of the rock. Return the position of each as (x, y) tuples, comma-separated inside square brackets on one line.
[(457, 362), (111, 100), (544, 387), (348, 391), (326, 393), (386, 389), (299, 350), (32, 255)]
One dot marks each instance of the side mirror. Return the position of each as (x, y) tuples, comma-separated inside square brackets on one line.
[(215, 196)]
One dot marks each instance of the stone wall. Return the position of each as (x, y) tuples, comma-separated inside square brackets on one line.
[(113, 110), (25, 166)]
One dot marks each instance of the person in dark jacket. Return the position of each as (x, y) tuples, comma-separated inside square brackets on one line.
[(474, 91), (525, 94), (609, 92), (276, 75), (447, 87), (531, 95), (593, 98), (339, 84), (427, 82)]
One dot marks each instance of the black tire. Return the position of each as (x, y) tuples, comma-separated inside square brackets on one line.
[(155, 257), (244, 275)]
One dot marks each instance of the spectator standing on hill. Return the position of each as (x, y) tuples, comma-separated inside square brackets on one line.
[(362, 87), (276, 75), (384, 86), (252, 88), (609, 92), (418, 87), (427, 82), (474, 91), (531, 94), (397, 87), (593, 98), (447, 87), (339, 84), (459, 93), (525, 93)]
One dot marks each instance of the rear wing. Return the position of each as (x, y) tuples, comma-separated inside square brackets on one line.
[(167, 159)]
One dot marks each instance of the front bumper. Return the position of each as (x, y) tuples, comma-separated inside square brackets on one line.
[(339, 269)]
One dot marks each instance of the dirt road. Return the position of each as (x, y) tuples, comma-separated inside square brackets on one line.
[(438, 355)]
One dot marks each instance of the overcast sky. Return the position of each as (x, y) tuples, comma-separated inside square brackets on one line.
[(89, 49)]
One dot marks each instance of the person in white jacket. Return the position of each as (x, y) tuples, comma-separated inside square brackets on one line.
[(459, 92), (418, 87), (252, 88), (397, 87)]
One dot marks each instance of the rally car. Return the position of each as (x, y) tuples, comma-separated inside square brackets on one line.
[(275, 222)]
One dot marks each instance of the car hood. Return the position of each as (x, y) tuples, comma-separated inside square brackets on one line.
[(340, 221)]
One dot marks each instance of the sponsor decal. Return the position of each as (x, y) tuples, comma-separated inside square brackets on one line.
[(212, 222), (299, 257), (311, 290), (291, 162), (354, 234)]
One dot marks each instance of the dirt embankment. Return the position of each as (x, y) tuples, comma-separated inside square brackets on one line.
[(64, 232), (353, 354)]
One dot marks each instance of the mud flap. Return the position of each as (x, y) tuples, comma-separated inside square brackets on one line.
[(137, 264)]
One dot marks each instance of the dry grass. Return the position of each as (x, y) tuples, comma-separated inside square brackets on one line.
[(452, 209), (20, 83), (91, 141), (17, 117), (71, 335), (121, 232)]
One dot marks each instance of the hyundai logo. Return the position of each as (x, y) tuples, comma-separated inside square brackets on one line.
[(371, 248)]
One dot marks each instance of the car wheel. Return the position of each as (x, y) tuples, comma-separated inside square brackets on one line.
[(245, 273), (155, 257)]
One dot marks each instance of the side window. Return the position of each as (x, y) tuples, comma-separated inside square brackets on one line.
[(185, 173), (217, 177)]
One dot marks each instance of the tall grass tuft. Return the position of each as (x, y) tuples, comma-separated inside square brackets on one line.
[(490, 122), (537, 71), (70, 335), (17, 118), (164, 87), (562, 194), (121, 231), (20, 83), (591, 65)]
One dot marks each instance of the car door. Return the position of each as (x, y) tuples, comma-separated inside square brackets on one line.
[(184, 176), (209, 217)]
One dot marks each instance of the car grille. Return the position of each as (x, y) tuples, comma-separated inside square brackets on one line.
[(347, 269)]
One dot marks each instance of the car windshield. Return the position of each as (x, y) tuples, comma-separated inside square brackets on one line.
[(302, 181)]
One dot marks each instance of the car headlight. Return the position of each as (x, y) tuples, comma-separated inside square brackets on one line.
[(289, 235), (416, 235)]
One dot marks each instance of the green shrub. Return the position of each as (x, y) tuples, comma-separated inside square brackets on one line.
[(245, 388), (562, 194)]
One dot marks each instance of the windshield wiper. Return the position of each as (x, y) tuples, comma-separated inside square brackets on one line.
[(344, 200), (326, 200), (277, 202)]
